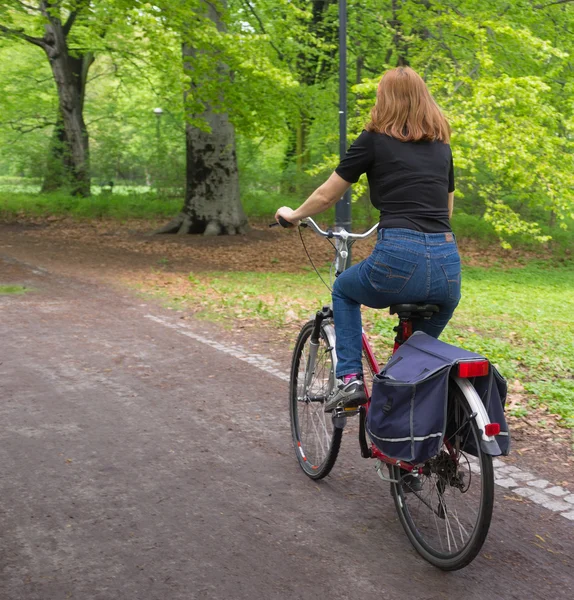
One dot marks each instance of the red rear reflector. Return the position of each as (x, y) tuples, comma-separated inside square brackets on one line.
[(475, 368), (492, 429)]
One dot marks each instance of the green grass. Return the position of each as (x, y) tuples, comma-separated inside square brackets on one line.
[(12, 289), (116, 206), (522, 319)]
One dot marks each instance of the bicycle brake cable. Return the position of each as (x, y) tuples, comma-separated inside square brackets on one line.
[(311, 260)]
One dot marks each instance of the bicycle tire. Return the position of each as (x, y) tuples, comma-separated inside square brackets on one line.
[(460, 557), (315, 462)]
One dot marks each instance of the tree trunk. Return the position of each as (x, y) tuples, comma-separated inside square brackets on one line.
[(70, 75), (287, 183), (303, 151), (58, 163), (60, 167), (212, 203)]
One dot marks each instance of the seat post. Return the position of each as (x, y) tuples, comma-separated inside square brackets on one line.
[(406, 312), (404, 331)]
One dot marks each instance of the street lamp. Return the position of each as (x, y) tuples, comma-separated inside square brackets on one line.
[(158, 112), (343, 207)]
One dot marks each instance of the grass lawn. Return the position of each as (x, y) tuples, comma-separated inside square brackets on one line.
[(130, 205), (522, 319)]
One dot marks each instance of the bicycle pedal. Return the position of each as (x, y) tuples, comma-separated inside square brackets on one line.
[(346, 411)]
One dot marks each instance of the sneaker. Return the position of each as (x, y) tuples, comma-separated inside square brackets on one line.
[(349, 394), (411, 483)]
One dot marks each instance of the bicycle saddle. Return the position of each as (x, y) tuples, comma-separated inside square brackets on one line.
[(405, 311)]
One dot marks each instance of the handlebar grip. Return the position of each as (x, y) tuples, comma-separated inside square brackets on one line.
[(283, 222)]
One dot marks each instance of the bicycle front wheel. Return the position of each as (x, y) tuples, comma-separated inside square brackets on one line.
[(447, 519), (316, 438)]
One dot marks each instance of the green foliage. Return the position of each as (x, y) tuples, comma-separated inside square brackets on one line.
[(502, 71)]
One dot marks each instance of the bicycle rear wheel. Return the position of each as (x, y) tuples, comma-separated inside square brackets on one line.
[(448, 519), (315, 437)]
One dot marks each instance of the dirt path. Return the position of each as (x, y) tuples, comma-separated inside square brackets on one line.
[(142, 464)]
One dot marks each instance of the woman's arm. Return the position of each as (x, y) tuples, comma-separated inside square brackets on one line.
[(321, 199), (450, 204)]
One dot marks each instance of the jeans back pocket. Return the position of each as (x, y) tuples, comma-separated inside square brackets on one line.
[(390, 272), (451, 272)]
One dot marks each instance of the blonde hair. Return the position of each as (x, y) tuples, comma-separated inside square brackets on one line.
[(406, 110)]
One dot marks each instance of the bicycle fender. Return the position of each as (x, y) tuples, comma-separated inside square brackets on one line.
[(488, 443), (329, 331)]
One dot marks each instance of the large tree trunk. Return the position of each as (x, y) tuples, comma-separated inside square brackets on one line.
[(58, 163), (212, 202), (70, 139), (70, 74), (60, 166)]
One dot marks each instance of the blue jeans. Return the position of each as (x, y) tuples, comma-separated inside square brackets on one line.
[(405, 266)]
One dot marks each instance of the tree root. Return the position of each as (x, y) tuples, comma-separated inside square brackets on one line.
[(182, 224), (172, 227)]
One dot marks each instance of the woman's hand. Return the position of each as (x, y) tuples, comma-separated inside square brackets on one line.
[(287, 213)]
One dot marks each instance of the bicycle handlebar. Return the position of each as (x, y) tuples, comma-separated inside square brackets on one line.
[(342, 234)]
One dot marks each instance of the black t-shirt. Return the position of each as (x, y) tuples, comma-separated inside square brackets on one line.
[(409, 182)]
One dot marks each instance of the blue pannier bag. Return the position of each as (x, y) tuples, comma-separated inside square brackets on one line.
[(407, 418)]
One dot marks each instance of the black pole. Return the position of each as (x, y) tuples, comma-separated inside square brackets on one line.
[(343, 207)]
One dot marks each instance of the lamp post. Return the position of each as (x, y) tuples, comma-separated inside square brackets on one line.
[(343, 207), (158, 112)]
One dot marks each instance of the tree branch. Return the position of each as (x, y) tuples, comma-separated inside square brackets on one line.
[(46, 6), (252, 10), (36, 80), (72, 16), (70, 21), (28, 6), (459, 84), (22, 128), (100, 118), (20, 34), (102, 74), (445, 46)]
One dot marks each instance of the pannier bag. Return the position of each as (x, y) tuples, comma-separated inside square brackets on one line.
[(407, 419)]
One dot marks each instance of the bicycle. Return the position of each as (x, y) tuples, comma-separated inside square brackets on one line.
[(448, 518)]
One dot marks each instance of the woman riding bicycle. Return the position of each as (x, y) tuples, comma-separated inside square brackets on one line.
[(405, 152)]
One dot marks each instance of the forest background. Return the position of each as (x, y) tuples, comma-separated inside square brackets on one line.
[(207, 114)]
